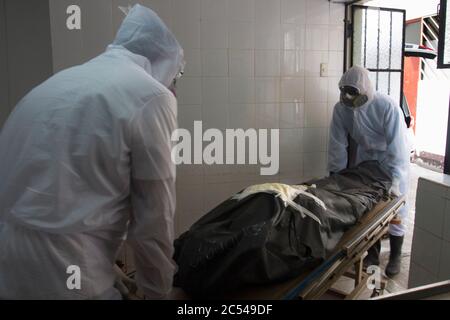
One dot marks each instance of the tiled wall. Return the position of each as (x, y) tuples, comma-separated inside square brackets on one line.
[(250, 64), (4, 75), (25, 50), (430, 254)]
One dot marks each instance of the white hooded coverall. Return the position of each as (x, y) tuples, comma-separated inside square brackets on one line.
[(85, 161), (379, 130)]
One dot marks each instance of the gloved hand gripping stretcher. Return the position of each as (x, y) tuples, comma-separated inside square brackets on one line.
[(274, 241)]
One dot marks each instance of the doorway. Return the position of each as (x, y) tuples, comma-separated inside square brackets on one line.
[(397, 41)]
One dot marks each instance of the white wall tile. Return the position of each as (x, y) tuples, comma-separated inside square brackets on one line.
[(333, 90), (97, 33), (317, 12), (316, 37), (189, 90), (267, 116), (162, 7), (426, 250), (214, 35), (433, 187), (292, 115), (267, 11), (190, 197), (267, 90), (446, 226), (67, 44), (218, 173), (316, 89), (193, 60), (187, 114), (189, 173), (337, 14), (335, 64), (313, 59), (293, 11), (336, 38), (242, 90), (215, 91), (214, 115), (291, 166), (267, 63), (183, 10), (444, 268), (215, 62), (314, 165), (314, 140), (187, 33), (419, 276), (292, 89), (292, 63), (241, 116), (293, 37), (218, 192), (267, 35), (241, 63), (214, 10), (5, 107), (316, 115), (430, 211), (291, 141), (241, 10), (241, 35)]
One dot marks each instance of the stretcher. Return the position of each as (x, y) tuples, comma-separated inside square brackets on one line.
[(346, 260), (348, 255)]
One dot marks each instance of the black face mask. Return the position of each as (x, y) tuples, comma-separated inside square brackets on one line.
[(351, 97), (173, 86)]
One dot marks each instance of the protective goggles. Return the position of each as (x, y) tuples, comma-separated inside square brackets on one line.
[(352, 97)]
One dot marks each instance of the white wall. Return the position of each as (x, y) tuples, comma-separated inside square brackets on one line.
[(4, 82), (250, 64), (430, 252), (25, 50)]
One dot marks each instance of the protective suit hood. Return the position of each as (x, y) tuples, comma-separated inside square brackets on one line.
[(358, 77), (144, 33)]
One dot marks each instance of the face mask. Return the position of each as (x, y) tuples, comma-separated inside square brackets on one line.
[(352, 98), (173, 86)]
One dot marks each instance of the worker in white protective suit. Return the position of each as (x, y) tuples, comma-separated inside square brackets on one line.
[(85, 163), (376, 123)]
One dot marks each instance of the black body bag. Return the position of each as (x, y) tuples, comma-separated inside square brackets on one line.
[(258, 240)]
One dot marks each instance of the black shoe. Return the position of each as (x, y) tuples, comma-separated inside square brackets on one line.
[(395, 257), (373, 255)]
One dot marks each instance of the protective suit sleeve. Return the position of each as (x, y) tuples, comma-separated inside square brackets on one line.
[(151, 230), (338, 142), (397, 154)]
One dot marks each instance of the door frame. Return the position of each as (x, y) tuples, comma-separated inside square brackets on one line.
[(442, 31)]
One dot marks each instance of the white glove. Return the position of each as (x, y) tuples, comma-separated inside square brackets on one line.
[(394, 191)]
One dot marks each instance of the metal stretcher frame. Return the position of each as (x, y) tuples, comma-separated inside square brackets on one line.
[(434, 291), (350, 252)]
